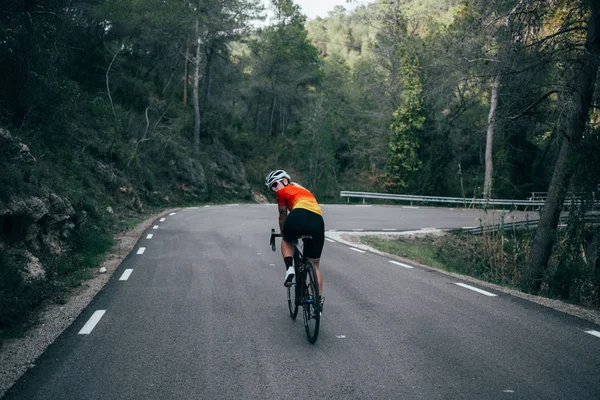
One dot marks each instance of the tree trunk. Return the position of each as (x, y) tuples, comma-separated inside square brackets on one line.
[(584, 81), (272, 112), (206, 81), (196, 148), (489, 161), (185, 76)]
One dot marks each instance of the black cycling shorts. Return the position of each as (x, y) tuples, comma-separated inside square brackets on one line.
[(301, 222)]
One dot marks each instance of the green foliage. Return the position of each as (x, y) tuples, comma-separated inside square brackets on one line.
[(407, 126)]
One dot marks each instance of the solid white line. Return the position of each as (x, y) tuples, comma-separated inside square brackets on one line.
[(172, 213), (476, 290), (595, 333), (162, 220), (91, 324), (401, 264), (141, 250), (155, 227), (126, 275), (329, 240), (150, 236), (360, 251)]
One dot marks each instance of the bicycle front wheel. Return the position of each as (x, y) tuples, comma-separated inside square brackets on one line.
[(293, 300), (311, 306)]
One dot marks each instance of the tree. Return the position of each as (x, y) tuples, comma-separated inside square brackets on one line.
[(580, 91)]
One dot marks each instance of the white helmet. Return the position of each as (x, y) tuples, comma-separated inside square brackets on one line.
[(276, 176)]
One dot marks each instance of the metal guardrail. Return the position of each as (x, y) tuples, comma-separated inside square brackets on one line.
[(438, 199), (593, 219)]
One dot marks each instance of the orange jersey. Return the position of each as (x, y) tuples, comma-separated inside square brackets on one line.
[(295, 196)]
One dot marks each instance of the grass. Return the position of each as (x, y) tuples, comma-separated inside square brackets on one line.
[(419, 250)]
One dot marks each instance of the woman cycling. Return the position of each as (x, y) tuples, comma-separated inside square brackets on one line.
[(304, 218)]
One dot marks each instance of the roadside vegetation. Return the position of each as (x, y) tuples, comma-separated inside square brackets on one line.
[(500, 257)]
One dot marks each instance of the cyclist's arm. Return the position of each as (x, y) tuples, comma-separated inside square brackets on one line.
[(282, 215)]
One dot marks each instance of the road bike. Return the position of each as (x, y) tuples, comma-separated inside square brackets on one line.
[(304, 290)]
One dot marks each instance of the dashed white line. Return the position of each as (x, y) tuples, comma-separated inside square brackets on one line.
[(172, 213), (141, 250), (359, 250), (340, 336), (91, 324), (476, 289), (594, 333), (162, 220), (401, 264), (150, 236), (330, 240), (126, 275), (155, 227)]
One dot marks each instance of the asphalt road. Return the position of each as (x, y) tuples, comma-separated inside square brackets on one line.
[(203, 315)]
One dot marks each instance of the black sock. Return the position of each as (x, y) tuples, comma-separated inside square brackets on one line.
[(288, 261)]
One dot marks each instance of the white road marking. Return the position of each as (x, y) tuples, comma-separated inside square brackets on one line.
[(172, 213), (271, 265), (258, 254), (150, 236), (155, 227), (193, 208), (330, 240), (232, 205), (401, 264), (126, 275), (162, 220), (360, 251), (91, 324), (340, 336), (141, 250), (364, 205), (389, 229), (594, 333), (476, 290), (358, 230), (411, 207)]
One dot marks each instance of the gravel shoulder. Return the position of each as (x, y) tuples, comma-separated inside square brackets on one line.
[(353, 239), (18, 355)]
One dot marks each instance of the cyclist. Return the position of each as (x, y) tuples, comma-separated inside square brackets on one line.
[(305, 218)]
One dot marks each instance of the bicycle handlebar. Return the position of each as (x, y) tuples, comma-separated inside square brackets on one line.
[(273, 236)]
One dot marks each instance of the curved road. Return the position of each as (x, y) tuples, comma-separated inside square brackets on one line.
[(200, 313)]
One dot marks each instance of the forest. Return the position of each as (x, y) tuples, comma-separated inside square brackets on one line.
[(120, 106)]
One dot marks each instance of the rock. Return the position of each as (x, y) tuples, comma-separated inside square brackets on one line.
[(103, 270), (33, 267)]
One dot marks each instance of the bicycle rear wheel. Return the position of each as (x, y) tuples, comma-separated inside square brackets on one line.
[(311, 306)]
